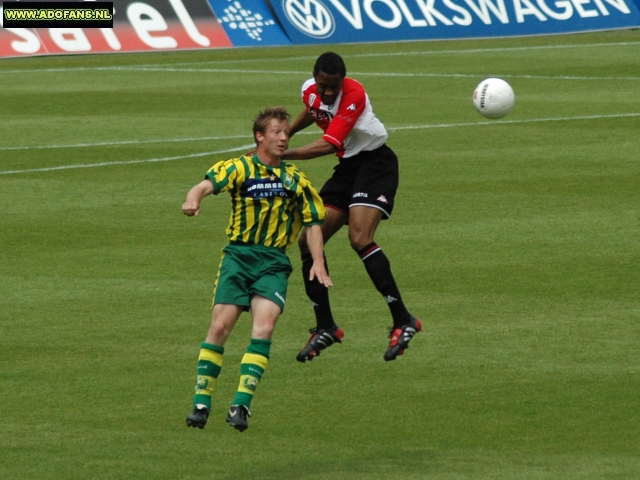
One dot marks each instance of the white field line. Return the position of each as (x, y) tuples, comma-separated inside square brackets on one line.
[(127, 162), (173, 69), (531, 120), (461, 51), (370, 74), (248, 146), (126, 142)]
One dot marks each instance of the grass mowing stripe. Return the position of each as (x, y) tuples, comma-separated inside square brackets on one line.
[(202, 154), (163, 68), (346, 55)]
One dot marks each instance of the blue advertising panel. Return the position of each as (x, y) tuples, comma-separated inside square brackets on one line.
[(249, 22), (344, 21)]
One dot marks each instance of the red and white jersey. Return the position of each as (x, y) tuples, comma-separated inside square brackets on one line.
[(349, 123)]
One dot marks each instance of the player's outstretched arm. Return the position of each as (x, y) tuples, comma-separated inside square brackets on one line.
[(301, 122), (315, 149), (315, 243), (191, 205)]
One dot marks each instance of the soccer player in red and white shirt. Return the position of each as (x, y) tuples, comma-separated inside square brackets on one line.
[(360, 193)]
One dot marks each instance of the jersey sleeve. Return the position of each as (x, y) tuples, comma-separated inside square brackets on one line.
[(351, 107), (310, 205), (224, 175)]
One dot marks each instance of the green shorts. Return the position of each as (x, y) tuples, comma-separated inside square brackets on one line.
[(248, 270)]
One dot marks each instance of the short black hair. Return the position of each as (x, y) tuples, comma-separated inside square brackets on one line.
[(330, 63)]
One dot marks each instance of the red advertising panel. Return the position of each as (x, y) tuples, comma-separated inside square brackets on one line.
[(137, 26)]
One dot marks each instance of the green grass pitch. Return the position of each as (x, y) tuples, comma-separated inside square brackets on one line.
[(516, 241)]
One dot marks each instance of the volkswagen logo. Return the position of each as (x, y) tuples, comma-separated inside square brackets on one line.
[(311, 17)]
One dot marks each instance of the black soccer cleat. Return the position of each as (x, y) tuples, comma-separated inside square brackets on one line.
[(198, 417), (319, 340), (237, 417), (400, 338)]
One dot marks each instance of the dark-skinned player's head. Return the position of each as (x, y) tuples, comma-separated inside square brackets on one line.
[(330, 63)]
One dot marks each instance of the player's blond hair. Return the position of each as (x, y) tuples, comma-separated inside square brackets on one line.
[(261, 122)]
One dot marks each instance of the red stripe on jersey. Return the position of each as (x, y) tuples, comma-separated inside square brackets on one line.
[(333, 141)]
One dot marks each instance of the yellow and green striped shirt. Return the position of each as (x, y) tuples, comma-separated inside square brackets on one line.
[(269, 204)]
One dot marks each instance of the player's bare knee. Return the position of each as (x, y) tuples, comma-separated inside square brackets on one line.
[(263, 329), (359, 240), (219, 330)]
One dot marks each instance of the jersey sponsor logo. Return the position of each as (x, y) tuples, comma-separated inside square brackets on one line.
[(360, 194), (318, 114), (263, 188), (311, 17)]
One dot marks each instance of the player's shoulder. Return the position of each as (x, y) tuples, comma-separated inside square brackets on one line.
[(352, 85), (290, 168), (308, 85), (230, 165), (294, 172), (352, 90)]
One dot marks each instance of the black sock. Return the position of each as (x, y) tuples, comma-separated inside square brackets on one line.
[(317, 293), (379, 270)]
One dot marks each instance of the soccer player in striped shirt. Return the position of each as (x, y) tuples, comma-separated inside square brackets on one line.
[(271, 201), (360, 193)]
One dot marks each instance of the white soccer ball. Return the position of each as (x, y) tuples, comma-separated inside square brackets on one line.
[(493, 98)]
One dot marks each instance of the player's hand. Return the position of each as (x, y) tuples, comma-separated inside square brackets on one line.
[(318, 271), (191, 208)]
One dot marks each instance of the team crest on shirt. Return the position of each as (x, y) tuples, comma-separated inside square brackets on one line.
[(287, 181)]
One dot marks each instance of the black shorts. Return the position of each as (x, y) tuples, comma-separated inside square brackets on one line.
[(368, 178)]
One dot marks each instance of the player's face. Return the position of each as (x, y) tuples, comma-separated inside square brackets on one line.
[(273, 142), (328, 86)]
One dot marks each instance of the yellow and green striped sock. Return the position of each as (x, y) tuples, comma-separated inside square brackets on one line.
[(209, 366), (254, 363)]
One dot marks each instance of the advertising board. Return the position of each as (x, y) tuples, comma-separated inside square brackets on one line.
[(249, 23), (137, 26), (152, 25), (345, 21)]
